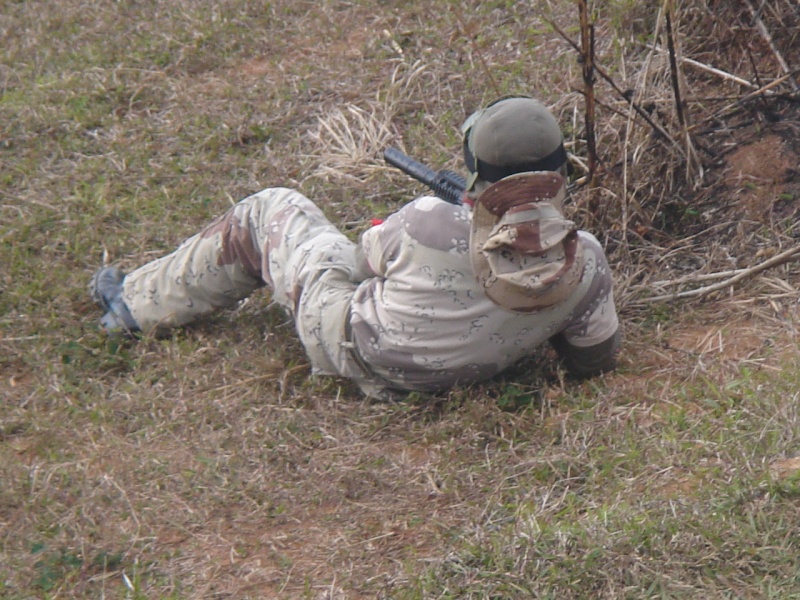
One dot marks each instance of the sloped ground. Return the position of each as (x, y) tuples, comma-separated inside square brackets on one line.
[(210, 465)]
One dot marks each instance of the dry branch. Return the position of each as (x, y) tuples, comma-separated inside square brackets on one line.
[(673, 64), (776, 260), (587, 68), (713, 70), (752, 95), (762, 29), (465, 30), (696, 278), (660, 132), (693, 164)]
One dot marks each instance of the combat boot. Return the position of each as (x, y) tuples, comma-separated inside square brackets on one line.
[(106, 290)]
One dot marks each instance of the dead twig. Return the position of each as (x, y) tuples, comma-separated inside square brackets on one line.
[(660, 132), (587, 68), (696, 278), (762, 29), (709, 69), (673, 67), (693, 163), (741, 274), (725, 110), (468, 33)]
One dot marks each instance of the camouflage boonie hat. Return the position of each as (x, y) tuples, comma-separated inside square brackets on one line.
[(524, 252)]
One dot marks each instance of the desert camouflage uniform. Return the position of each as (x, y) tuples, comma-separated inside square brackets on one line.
[(402, 310)]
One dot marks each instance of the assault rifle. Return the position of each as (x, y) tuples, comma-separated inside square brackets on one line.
[(447, 185)]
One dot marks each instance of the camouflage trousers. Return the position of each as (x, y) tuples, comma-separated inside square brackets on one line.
[(276, 238)]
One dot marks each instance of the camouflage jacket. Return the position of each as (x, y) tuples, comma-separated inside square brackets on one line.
[(424, 323)]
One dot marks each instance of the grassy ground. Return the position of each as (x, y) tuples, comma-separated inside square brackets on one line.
[(212, 465)]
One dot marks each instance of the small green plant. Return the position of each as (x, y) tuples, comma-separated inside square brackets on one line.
[(52, 567), (514, 397)]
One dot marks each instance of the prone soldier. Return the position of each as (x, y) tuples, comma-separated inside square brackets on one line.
[(439, 294)]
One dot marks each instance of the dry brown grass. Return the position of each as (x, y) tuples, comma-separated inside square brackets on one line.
[(211, 465)]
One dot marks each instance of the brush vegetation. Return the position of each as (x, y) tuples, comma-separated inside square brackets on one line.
[(211, 464)]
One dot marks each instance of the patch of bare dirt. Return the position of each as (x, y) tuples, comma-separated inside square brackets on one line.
[(786, 467), (752, 171), (760, 173)]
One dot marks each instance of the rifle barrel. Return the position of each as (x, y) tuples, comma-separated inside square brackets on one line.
[(447, 185), (410, 166)]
